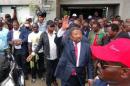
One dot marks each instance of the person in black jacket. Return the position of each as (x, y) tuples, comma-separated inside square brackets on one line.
[(50, 52)]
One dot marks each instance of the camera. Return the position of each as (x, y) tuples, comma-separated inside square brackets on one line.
[(13, 7)]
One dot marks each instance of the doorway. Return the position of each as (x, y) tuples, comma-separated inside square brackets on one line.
[(86, 10)]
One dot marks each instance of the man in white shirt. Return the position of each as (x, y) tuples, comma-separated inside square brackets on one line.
[(50, 52), (33, 39)]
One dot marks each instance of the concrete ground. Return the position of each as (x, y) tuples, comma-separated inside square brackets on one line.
[(39, 83)]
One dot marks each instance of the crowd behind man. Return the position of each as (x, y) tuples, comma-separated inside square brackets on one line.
[(41, 47)]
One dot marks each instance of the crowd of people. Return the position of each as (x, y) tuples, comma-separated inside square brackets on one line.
[(61, 47)]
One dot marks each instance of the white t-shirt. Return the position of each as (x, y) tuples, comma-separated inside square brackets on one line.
[(34, 39)]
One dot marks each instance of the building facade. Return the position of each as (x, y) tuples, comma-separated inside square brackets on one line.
[(106, 8), (22, 7)]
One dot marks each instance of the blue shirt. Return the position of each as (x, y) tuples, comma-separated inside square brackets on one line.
[(42, 26), (3, 39)]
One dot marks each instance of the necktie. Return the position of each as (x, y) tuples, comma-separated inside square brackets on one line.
[(76, 57)]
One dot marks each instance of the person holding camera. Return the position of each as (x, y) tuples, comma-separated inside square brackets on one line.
[(9, 20)]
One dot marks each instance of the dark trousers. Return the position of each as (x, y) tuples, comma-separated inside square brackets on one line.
[(34, 70), (38, 67), (50, 70), (41, 65), (20, 59), (73, 81)]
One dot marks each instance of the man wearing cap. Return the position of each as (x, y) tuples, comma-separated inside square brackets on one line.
[(50, 52), (114, 66), (74, 17), (114, 33)]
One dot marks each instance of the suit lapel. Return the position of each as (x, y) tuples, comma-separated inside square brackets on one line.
[(72, 51), (11, 34)]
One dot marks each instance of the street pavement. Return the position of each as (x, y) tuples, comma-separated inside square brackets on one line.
[(39, 82)]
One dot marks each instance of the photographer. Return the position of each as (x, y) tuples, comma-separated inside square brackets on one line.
[(9, 20)]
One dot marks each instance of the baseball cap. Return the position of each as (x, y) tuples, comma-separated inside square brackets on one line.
[(74, 14)]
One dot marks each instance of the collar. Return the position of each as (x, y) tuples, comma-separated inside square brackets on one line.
[(54, 32), (16, 30), (76, 43), (42, 22)]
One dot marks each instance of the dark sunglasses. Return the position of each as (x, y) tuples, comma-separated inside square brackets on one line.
[(52, 25)]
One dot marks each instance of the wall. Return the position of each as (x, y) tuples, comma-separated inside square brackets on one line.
[(51, 14), (18, 2), (22, 12), (91, 1), (123, 6), (126, 9)]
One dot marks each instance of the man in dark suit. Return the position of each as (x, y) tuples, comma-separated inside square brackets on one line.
[(17, 38), (75, 58)]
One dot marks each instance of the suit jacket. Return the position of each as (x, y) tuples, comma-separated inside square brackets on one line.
[(44, 42), (23, 36), (67, 61), (85, 34)]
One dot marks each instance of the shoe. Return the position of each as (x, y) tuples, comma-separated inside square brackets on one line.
[(55, 83), (33, 80)]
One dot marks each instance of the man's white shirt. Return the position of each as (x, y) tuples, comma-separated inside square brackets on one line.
[(34, 39), (16, 34), (79, 48), (53, 48)]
